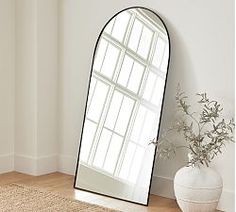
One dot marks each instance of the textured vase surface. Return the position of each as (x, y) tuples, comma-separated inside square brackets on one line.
[(197, 189)]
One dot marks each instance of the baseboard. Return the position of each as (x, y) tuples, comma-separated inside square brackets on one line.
[(47, 164), (67, 164), (163, 186), (36, 166), (25, 164), (6, 163), (227, 201)]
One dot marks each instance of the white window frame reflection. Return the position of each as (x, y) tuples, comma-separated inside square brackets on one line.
[(113, 85)]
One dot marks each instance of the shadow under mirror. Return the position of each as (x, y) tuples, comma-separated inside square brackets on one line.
[(124, 106)]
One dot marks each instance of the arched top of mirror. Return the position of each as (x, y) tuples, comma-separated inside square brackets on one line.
[(140, 32)]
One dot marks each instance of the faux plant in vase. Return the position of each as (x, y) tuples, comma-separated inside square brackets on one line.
[(197, 186)]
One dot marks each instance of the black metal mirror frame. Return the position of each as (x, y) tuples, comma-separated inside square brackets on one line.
[(90, 77)]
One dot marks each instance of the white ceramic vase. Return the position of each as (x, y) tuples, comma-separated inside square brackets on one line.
[(197, 189)]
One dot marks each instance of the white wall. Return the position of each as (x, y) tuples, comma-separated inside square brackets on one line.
[(47, 85), (36, 106), (29, 86), (72, 81), (202, 59), (7, 84), (26, 73)]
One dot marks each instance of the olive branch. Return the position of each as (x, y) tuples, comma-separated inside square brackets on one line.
[(205, 132)]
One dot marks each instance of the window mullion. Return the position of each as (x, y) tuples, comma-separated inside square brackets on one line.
[(119, 65), (118, 113), (139, 39), (113, 130), (91, 120), (148, 21), (157, 72), (150, 56), (125, 91), (112, 28), (127, 137), (129, 52), (124, 143), (152, 52), (92, 94), (104, 57), (100, 124), (127, 83), (129, 29)]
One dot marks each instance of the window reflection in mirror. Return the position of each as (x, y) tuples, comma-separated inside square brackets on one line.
[(124, 106)]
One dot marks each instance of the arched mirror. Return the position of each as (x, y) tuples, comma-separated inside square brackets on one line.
[(124, 104)]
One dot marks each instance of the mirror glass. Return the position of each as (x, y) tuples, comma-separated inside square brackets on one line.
[(123, 108)]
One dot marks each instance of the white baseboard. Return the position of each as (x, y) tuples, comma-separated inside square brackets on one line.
[(36, 166), (47, 164), (67, 164), (164, 186), (6, 163), (227, 201), (25, 164)]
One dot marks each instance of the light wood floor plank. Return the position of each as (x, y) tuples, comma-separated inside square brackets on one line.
[(63, 185)]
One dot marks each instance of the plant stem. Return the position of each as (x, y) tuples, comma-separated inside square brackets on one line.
[(196, 122)]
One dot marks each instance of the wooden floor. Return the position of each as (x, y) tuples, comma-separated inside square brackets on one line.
[(63, 184)]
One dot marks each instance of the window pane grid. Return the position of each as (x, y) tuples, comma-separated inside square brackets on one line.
[(109, 28), (130, 52), (129, 28), (160, 48), (146, 63), (124, 46), (129, 74), (109, 144), (119, 26), (121, 45), (113, 131), (128, 164), (102, 148), (96, 107), (126, 92), (135, 56), (100, 123), (113, 128), (143, 17), (126, 135), (110, 61), (145, 42), (127, 138)]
